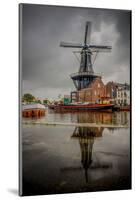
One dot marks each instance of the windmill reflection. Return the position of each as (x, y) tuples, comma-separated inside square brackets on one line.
[(86, 136), (98, 159)]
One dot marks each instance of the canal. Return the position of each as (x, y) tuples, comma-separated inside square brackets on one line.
[(63, 159)]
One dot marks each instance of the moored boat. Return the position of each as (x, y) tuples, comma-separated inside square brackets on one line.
[(76, 107), (33, 110)]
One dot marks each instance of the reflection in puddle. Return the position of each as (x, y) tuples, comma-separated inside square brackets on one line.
[(113, 118), (86, 136), (64, 159)]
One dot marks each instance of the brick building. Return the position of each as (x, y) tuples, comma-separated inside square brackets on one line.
[(97, 92), (111, 90), (119, 92), (94, 93)]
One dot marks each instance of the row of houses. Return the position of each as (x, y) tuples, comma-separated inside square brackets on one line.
[(98, 92), (119, 92)]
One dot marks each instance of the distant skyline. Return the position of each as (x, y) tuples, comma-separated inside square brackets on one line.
[(46, 67)]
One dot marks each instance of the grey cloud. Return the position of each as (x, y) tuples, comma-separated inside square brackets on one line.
[(46, 66)]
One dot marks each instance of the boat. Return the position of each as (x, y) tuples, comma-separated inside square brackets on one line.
[(33, 110), (76, 107)]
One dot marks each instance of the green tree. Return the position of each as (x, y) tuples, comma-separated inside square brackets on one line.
[(28, 98), (46, 101), (38, 101)]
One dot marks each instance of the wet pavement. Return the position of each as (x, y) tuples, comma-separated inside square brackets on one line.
[(63, 159)]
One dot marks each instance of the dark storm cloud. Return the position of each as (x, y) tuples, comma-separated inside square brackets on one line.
[(46, 66)]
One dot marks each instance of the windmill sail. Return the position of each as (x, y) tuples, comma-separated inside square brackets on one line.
[(100, 48), (87, 33), (71, 45)]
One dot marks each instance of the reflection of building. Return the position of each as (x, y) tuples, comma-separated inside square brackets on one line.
[(104, 117), (86, 140), (123, 118), (95, 117)]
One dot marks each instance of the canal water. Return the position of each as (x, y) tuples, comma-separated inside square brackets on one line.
[(63, 159)]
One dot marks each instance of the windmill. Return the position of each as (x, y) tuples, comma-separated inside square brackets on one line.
[(85, 75)]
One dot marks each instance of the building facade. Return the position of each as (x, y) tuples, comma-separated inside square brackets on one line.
[(119, 93), (111, 90), (93, 93), (97, 92), (123, 95)]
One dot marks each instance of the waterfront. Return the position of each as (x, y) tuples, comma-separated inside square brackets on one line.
[(60, 159)]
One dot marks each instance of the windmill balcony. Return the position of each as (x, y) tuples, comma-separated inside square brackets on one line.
[(79, 74)]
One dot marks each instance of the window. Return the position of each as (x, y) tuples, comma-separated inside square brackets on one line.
[(125, 94), (125, 102)]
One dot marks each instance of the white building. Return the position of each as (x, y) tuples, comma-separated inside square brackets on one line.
[(123, 94)]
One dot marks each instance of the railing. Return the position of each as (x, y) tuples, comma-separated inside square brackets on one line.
[(84, 74)]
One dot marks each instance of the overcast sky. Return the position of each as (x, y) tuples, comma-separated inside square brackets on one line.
[(46, 66)]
